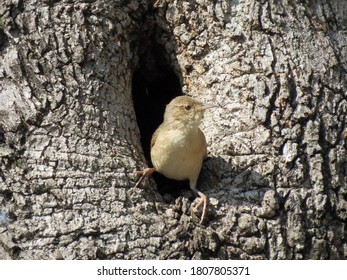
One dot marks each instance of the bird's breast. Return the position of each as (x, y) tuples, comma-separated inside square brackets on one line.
[(178, 154)]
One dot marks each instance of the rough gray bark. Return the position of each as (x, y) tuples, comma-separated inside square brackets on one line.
[(276, 171)]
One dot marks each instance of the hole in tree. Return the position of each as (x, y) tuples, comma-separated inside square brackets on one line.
[(150, 99), (154, 85)]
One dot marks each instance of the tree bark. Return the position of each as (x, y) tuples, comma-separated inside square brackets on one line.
[(69, 140)]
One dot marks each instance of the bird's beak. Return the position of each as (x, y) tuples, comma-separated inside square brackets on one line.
[(205, 107)]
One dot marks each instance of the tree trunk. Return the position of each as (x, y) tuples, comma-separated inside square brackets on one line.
[(79, 81)]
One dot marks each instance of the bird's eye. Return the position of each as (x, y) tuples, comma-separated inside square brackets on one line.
[(187, 107)]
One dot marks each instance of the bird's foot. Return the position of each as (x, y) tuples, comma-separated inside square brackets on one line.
[(144, 173), (203, 202)]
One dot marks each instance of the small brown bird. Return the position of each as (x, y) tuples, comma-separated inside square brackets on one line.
[(178, 146)]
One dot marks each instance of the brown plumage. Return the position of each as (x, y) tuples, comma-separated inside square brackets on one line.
[(178, 146)]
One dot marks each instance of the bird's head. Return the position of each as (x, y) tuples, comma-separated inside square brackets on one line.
[(186, 110)]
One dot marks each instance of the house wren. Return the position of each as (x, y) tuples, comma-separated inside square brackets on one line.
[(178, 146)]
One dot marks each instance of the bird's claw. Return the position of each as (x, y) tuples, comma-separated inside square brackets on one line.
[(203, 202), (144, 173)]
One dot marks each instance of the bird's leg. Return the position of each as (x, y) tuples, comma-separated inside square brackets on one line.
[(145, 173), (203, 202)]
